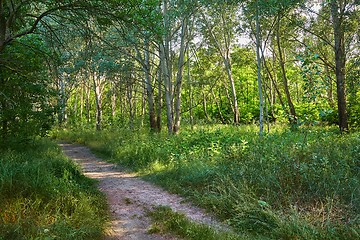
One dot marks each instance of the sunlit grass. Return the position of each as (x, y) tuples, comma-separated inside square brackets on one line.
[(165, 220), (43, 195), (289, 184)]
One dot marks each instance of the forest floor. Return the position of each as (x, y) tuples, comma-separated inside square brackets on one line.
[(130, 198)]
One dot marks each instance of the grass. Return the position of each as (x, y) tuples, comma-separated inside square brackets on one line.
[(166, 221), (43, 195), (302, 184)]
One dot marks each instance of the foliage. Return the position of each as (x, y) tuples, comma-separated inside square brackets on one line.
[(302, 184), (26, 93), (43, 195)]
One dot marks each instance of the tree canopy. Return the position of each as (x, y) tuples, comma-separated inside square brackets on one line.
[(99, 63)]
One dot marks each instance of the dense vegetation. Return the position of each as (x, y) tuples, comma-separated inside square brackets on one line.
[(43, 195), (118, 66), (100, 63), (286, 185)]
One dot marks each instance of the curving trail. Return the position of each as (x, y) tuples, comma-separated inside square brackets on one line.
[(129, 197)]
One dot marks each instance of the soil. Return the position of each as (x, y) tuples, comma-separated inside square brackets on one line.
[(129, 197)]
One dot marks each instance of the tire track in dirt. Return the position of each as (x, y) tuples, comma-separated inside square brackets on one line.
[(129, 197)]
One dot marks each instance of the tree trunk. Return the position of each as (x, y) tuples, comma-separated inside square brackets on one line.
[(261, 116), (228, 97), (179, 75), (224, 51), (87, 103), (113, 102), (159, 103), (205, 105), (149, 88), (227, 63), (292, 117), (165, 68), (218, 107), (62, 102), (167, 88), (98, 99), (337, 13), (190, 92), (329, 83), (273, 83), (81, 103)]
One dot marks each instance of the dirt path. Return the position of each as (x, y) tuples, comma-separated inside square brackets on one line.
[(129, 197)]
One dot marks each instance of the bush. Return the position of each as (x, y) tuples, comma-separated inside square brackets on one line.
[(26, 93)]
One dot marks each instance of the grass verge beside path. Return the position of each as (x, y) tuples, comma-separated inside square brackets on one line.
[(301, 184), (43, 195), (166, 221)]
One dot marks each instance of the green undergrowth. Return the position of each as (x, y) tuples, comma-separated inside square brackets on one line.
[(302, 184), (43, 195), (166, 221)]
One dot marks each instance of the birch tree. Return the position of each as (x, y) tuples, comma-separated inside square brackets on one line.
[(222, 38)]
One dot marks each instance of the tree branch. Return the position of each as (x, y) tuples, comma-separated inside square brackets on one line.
[(38, 19)]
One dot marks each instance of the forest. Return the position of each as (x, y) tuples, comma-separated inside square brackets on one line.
[(249, 109)]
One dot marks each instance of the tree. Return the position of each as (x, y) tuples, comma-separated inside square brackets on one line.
[(222, 38), (338, 12), (258, 46), (27, 95)]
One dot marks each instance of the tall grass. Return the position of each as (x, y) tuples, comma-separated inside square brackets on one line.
[(43, 195), (301, 184), (165, 220)]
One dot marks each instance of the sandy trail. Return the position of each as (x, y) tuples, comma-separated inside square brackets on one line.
[(129, 197)]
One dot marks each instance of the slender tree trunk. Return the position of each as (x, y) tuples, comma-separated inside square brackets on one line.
[(129, 93), (229, 98), (143, 103), (113, 102), (274, 84), (261, 114), (149, 89), (329, 84), (135, 91), (123, 102), (225, 54), (87, 103), (81, 102), (159, 102), (62, 102), (75, 107), (179, 75), (218, 106), (190, 91), (227, 63), (167, 88), (98, 99), (337, 13), (292, 117), (165, 68), (205, 105)]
